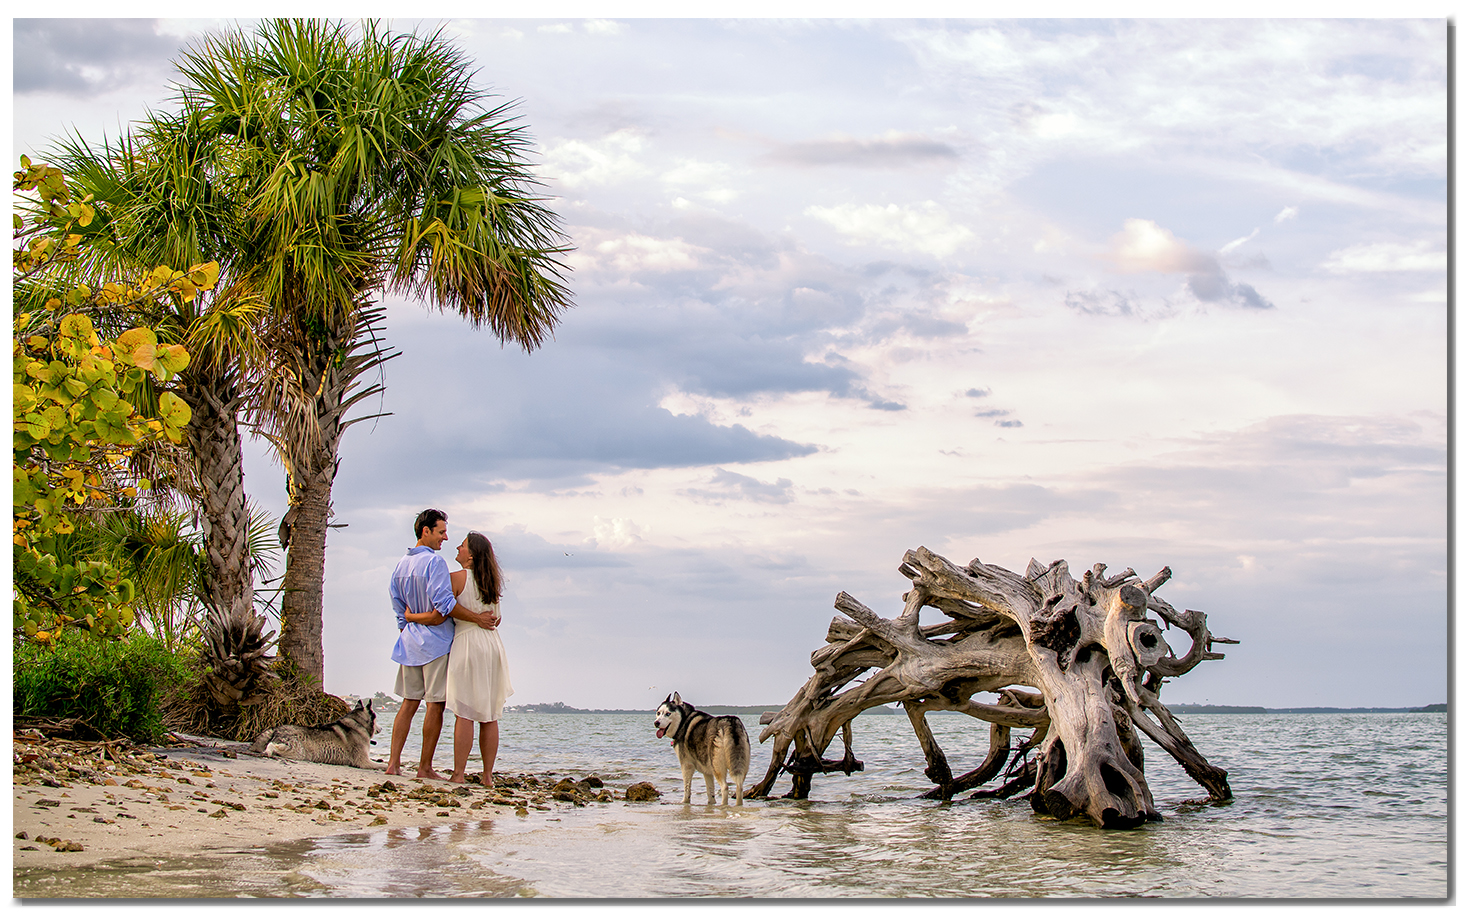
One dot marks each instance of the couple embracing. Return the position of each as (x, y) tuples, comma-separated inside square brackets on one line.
[(449, 652)]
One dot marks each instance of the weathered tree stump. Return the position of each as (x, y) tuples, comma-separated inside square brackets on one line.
[(1088, 649)]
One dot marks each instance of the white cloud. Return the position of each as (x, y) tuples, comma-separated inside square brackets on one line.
[(635, 252), (1143, 245), (603, 27), (1231, 246), (1287, 213), (1387, 256), (617, 532), (560, 28), (712, 181), (925, 227), (1147, 84), (579, 164)]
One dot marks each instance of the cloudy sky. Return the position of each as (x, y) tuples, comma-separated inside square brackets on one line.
[(1140, 292)]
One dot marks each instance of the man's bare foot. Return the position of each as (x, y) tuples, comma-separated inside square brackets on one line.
[(393, 770), (487, 780), (457, 778), (429, 775)]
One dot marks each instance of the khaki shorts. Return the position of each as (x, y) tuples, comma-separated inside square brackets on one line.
[(425, 682)]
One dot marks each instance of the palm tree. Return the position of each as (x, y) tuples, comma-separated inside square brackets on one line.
[(359, 163)]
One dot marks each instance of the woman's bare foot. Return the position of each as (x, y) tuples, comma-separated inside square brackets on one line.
[(457, 778), (393, 770), (487, 780), (429, 774)]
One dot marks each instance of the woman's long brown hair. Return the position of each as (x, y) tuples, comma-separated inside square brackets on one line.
[(485, 568)]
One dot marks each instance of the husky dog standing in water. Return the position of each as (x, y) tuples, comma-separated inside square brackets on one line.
[(713, 745), (341, 742)]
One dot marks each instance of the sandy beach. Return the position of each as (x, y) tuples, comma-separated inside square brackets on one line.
[(78, 804)]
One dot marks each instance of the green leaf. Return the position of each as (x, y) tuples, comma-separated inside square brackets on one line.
[(171, 359), (172, 410)]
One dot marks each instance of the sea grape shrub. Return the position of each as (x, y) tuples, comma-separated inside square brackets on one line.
[(111, 687), (81, 404)]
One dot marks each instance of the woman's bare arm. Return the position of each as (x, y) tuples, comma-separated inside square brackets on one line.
[(487, 620)]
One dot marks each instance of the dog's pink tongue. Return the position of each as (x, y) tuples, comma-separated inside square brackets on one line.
[(660, 732)]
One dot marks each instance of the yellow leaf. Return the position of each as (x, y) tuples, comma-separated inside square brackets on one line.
[(183, 288), (205, 275), (172, 359), (139, 345)]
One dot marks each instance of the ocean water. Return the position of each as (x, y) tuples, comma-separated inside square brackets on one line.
[(1327, 806)]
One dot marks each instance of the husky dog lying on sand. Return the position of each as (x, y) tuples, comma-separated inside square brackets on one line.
[(713, 745), (341, 742)]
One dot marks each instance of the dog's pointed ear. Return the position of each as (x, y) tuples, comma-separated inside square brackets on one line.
[(674, 697), (668, 699)]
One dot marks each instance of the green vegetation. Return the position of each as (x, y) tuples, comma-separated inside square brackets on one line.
[(111, 687), (84, 405)]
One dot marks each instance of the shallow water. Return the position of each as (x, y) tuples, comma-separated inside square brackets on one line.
[(1326, 806)]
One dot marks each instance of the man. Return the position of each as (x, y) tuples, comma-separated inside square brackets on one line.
[(420, 584)]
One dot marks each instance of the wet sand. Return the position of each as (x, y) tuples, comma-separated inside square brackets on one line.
[(79, 804)]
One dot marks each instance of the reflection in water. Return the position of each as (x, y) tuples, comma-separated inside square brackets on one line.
[(1326, 806)]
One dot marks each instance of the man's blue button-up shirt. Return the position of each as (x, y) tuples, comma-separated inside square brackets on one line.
[(420, 583)]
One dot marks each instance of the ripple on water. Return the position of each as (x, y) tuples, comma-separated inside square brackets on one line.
[(1326, 806)]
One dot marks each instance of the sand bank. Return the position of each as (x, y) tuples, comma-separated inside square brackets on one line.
[(92, 802)]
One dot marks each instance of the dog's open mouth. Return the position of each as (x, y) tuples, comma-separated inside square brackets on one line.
[(660, 732)]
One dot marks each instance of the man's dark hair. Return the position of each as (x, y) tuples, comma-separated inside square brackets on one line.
[(428, 520)]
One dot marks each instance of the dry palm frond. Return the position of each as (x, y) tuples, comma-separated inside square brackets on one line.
[(191, 707)]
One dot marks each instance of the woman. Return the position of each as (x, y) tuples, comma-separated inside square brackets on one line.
[(479, 675)]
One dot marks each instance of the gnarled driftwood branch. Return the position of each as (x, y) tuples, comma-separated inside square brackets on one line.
[(1088, 649)]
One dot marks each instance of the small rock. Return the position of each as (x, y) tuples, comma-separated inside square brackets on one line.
[(642, 791), (44, 802), (379, 821), (22, 835), (29, 848), (591, 781)]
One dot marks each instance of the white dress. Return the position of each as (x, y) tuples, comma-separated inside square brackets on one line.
[(479, 674)]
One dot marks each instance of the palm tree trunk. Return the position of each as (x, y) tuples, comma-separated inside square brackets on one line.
[(214, 442), (306, 564), (312, 401)]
